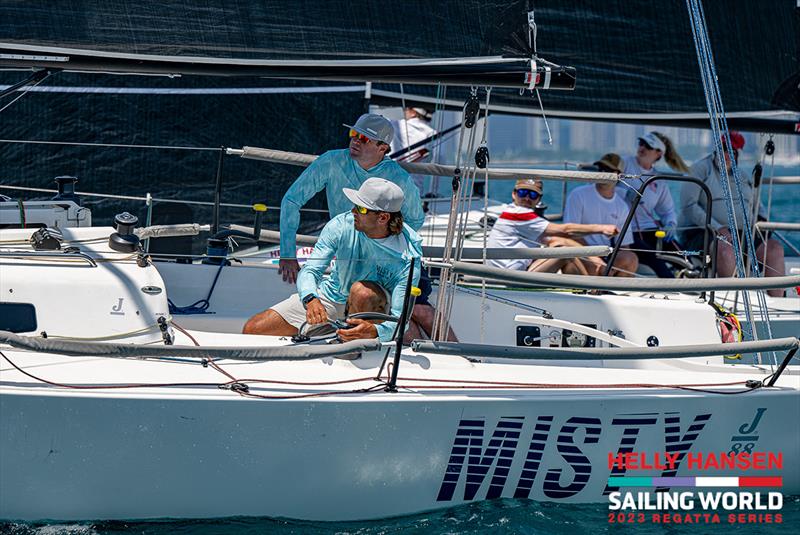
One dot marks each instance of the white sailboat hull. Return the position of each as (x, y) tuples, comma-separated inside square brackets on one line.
[(90, 457)]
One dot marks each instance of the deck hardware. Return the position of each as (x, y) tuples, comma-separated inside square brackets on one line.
[(165, 334)]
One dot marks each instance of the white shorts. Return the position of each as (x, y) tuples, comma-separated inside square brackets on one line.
[(292, 310)]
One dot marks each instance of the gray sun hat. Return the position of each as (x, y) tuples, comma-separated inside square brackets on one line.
[(377, 194), (375, 127)]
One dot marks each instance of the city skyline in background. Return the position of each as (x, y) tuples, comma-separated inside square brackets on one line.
[(515, 139)]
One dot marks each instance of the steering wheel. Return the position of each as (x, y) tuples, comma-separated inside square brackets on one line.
[(302, 337)]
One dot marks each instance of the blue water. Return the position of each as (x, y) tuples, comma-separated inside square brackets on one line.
[(496, 517)]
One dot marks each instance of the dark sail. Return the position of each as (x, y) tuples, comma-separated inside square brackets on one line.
[(632, 56), (634, 61)]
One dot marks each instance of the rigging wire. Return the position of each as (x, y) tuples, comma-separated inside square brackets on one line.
[(721, 135), (24, 91), (116, 145), (444, 274), (458, 220)]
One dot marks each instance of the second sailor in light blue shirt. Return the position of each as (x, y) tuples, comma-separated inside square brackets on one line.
[(346, 168)]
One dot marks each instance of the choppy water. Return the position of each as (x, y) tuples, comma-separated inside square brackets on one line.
[(498, 516)]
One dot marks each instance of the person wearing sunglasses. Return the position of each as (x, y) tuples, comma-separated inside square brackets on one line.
[(693, 213), (520, 226), (366, 156), (656, 210), (373, 249), (600, 203)]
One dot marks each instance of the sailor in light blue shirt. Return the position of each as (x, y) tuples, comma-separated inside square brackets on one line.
[(346, 168), (374, 251)]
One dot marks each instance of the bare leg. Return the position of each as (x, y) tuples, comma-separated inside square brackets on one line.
[(726, 262), (552, 265), (588, 266), (775, 265), (547, 265), (269, 322), (413, 332), (423, 316), (575, 266), (627, 262), (366, 296)]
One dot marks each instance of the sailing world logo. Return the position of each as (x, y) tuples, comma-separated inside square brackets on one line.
[(747, 498), (554, 459)]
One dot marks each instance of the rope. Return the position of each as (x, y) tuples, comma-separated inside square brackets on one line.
[(239, 386), (198, 307)]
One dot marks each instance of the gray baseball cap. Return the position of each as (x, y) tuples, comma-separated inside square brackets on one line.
[(375, 127), (377, 194)]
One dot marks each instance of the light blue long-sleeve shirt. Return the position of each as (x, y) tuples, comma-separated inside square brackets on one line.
[(359, 258), (333, 171)]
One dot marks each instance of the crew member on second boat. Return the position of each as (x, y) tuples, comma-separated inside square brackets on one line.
[(520, 226)]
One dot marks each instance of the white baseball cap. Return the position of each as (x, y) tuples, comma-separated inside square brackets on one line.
[(377, 194), (654, 141)]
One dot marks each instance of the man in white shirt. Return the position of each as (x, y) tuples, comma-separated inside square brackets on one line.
[(520, 226), (415, 127), (599, 203)]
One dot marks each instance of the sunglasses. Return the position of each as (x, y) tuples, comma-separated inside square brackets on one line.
[(362, 138), (361, 209), (643, 143), (522, 193)]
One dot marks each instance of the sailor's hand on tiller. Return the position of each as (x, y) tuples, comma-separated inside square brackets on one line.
[(362, 329), (315, 312), (288, 268)]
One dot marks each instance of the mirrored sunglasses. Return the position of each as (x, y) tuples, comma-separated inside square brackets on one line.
[(523, 192), (360, 137), (361, 209)]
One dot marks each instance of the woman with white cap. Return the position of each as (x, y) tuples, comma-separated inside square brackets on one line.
[(656, 210), (414, 128)]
